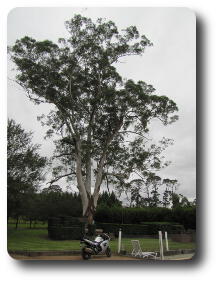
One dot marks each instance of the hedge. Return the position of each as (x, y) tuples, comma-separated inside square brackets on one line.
[(65, 228), (140, 229), (183, 216), (91, 229), (65, 233), (63, 221), (131, 215)]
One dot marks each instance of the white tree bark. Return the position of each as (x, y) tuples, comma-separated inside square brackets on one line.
[(79, 176), (89, 201)]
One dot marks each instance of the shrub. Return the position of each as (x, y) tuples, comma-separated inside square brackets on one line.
[(132, 215), (65, 233), (63, 221), (91, 229), (140, 229), (65, 228), (183, 216)]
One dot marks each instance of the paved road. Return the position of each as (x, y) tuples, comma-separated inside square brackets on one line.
[(179, 257), (78, 257)]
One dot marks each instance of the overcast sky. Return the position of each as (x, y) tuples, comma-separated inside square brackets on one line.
[(169, 66)]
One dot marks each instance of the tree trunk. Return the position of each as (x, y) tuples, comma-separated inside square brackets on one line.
[(90, 218), (80, 182), (90, 209)]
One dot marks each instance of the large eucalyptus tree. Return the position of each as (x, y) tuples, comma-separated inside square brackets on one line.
[(102, 119)]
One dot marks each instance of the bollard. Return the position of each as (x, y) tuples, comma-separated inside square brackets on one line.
[(166, 240), (119, 240), (161, 245)]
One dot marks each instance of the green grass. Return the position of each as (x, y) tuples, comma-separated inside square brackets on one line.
[(37, 240)]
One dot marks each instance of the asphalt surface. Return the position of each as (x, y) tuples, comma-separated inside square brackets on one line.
[(103, 258)]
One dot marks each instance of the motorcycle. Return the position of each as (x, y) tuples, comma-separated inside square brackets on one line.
[(100, 245)]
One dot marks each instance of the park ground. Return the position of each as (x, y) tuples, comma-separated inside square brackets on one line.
[(36, 240)]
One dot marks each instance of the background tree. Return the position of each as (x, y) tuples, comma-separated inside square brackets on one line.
[(170, 196), (136, 197), (101, 118), (170, 187), (179, 200), (55, 202), (109, 199), (24, 168), (156, 183)]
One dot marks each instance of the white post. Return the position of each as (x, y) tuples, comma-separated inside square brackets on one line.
[(166, 239), (161, 245), (119, 240)]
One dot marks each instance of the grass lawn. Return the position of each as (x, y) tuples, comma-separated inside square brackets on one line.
[(37, 240)]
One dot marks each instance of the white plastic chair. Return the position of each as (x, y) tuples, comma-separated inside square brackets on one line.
[(137, 251)]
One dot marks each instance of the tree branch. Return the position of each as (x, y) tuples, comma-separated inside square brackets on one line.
[(102, 161), (119, 176), (61, 155), (60, 177), (132, 132)]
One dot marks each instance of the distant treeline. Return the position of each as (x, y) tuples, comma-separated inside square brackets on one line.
[(42, 205), (52, 202)]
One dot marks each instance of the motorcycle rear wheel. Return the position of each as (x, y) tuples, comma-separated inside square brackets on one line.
[(85, 255)]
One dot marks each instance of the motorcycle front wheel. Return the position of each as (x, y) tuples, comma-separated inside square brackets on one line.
[(85, 255), (108, 252)]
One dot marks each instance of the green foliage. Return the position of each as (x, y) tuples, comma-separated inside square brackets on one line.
[(108, 199), (132, 215), (186, 216), (140, 229), (127, 229), (55, 203), (145, 191), (25, 168), (169, 193), (183, 216), (66, 233), (64, 221), (50, 202), (65, 228), (178, 200), (96, 112), (91, 229)]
